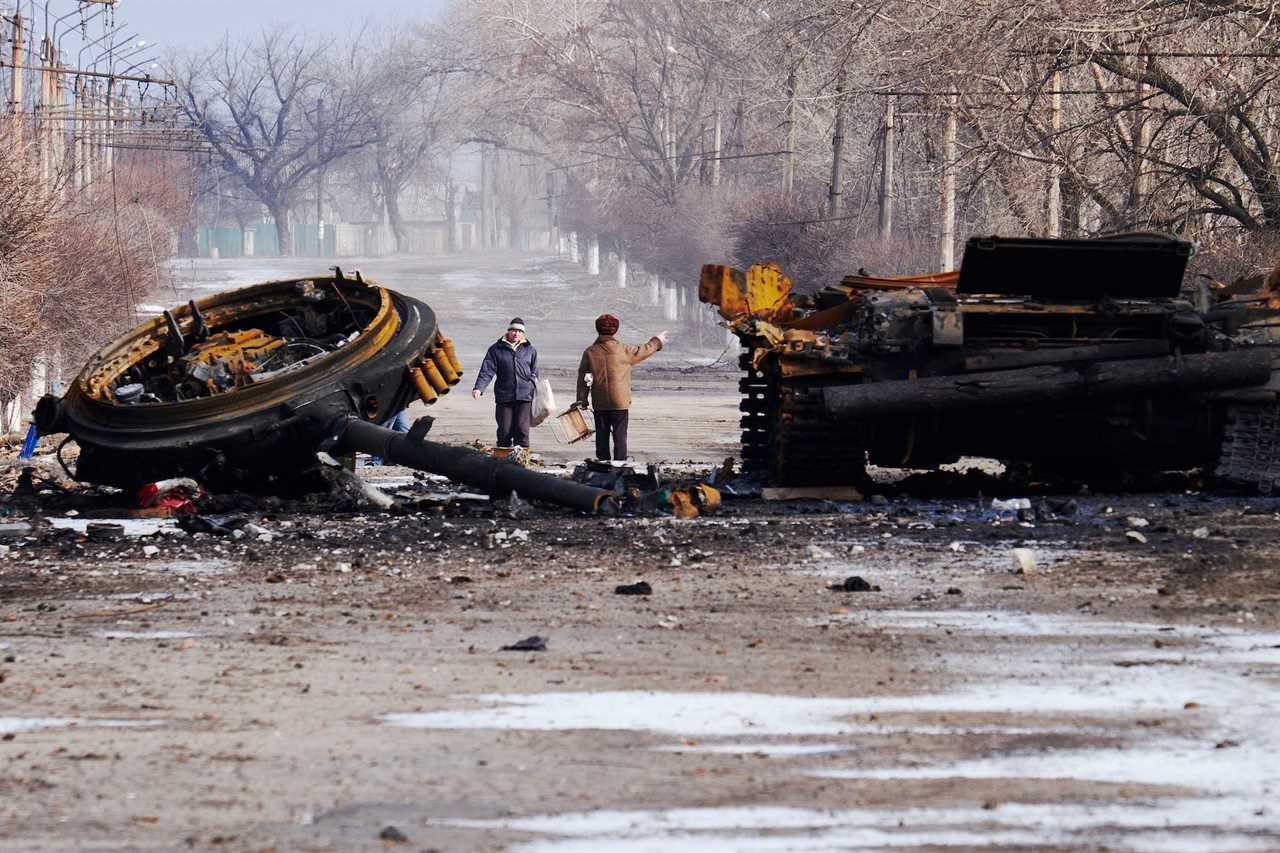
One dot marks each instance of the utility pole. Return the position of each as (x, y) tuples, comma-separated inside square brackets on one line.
[(949, 186), (15, 81), (835, 196), (739, 122), (108, 153), (80, 124), (1142, 142), (716, 134), (789, 161), (553, 226), (886, 171), (495, 227), (91, 132), (320, 179), (1054, 224), (44, 111), (484, 200), (58, 129)]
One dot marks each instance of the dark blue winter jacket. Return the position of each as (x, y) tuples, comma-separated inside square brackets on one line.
[(514, 371)]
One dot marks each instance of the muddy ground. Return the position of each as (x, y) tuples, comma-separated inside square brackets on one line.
[(340, 684)]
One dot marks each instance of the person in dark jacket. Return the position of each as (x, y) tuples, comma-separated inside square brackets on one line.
[(512, 365)]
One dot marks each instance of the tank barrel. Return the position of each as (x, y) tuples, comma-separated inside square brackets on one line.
[(497, 477), (1047, 384)]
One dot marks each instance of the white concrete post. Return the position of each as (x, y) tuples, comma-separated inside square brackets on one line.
[(593, 255), (622, 271), (573, 247), (655, 290), (247, 240), (671, 304), (13, 416)]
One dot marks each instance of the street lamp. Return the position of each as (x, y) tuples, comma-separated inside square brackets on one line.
[(111, 48), (80, 56), (141, 62), (83, 22)]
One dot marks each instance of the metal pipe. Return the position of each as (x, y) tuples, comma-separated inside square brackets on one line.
[(1052, 383), (441, 359), (497, 477)]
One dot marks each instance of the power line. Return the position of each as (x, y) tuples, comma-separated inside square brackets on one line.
[(614, 158), (1158, 54)]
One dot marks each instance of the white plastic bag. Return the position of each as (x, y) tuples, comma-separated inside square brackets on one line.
[(544, 401)]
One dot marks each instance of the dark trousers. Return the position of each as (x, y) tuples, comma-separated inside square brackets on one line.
[(611, 421), (514, 421)]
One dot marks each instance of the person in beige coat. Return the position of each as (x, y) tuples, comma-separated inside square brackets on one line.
[(609, 364)]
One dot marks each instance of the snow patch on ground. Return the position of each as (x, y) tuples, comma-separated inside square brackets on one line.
[(20, 725), (766, 829), (147, 635), (132, 526), (1206, 756)]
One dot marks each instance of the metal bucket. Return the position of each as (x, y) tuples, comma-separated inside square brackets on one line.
[(571, 426)]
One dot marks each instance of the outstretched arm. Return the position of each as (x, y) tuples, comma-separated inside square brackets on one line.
[(639, 354)]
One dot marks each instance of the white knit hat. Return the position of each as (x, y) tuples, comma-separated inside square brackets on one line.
[(516, 323)]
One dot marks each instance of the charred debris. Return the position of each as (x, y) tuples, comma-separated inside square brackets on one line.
[(1071, 358), (240, 391)]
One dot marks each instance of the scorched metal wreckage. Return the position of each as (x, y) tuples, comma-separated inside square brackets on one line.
[(1072, 358), (240, 390)]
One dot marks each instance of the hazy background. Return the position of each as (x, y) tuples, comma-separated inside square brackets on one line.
[(185, 23)]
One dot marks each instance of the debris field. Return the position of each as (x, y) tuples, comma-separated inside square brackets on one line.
[(956, 660)]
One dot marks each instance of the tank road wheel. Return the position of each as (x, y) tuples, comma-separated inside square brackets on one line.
[(785, 436)]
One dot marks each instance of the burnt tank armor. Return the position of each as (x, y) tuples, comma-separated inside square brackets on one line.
[(1077, 358)]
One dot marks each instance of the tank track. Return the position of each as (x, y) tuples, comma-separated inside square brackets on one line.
[(1251, 446), (785, 438)]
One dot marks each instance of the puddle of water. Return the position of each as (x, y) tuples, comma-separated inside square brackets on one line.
[(132, 526), (148, 635), (19, 725)]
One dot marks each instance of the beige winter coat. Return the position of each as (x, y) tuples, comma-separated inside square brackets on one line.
[(609, 363)]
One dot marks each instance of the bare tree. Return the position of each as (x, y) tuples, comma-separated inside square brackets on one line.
[(414, 112), (276, 110)]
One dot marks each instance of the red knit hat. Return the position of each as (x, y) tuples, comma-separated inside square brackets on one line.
[(607, 324)]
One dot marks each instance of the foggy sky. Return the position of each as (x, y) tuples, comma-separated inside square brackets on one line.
[(196, 24)]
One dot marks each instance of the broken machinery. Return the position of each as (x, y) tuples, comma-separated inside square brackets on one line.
[(240, 390), (1073, 358)]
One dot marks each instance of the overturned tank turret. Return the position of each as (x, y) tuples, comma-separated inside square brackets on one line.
[(1077, 358), (239, 390)]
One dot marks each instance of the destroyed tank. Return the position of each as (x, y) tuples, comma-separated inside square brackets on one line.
[(240, 391), (1072, 360)]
